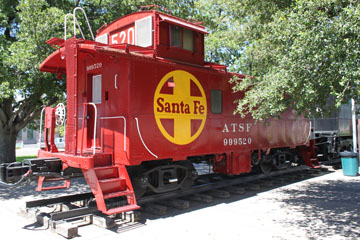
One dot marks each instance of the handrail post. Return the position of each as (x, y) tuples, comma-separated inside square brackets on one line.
[(65, 20), (95, 121), (87, 21), (83, 123), (75, 22), (82, 132)]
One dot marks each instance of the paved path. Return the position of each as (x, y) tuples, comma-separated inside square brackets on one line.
[(325, 207), (28, 150)]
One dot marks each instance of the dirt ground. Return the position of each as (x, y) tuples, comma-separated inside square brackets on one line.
[(324, 207)]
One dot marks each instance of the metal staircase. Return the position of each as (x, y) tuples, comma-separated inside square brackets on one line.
[(110, 181)]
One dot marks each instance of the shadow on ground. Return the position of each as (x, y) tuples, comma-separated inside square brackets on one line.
[(323, 208), (78, 185), (326, 209)]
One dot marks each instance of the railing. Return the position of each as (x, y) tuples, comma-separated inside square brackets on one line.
[(142, 140), (83, 124), (154, 7), (95, 127), (62, 122), (75, 21), (73, 15)]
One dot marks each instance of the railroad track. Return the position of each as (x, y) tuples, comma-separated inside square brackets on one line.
[(207, 188)]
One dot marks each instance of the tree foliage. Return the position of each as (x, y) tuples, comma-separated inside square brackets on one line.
[(25, 25), (300, 53), (225, 42)]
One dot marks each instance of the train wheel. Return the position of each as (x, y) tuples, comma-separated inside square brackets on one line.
[(190, 175), (170, 176), (265, 165), (282, 160)]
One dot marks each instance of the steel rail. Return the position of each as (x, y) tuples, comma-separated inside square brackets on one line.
[(216, 185), (57, 200), (83, 211), (73, 213)]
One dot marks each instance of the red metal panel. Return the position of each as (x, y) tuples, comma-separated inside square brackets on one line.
[(133, 96), (228, 133), (71, 78), (123, 22), (155, 109), (55, 63)]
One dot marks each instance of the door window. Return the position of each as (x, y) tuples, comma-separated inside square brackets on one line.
[(96, 89)]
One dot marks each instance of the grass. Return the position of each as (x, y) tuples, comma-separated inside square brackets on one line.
[(21, 158)]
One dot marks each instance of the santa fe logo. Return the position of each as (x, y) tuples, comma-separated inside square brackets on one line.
[(180, 107)]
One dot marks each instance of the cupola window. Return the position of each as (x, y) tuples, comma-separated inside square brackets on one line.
[(182, 38)]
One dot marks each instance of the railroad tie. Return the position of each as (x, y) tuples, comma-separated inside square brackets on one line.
[(177, 203), (236, 190), (200, 198), (219, 193)]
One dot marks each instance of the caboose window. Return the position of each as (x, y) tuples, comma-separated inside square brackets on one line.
[(216, 101), (143, 32), (175, 36), (96, 89), (182, 38), (188, 39)]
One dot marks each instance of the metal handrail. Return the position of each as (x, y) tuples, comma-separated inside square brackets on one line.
[(87, 21), (95, 127), (83, 123), (121, 117), (75, 22), (142, 140)]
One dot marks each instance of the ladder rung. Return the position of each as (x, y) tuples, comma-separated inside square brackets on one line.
[(121, 209), (117, 194)]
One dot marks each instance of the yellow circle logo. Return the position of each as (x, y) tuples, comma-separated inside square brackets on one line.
[(180, 107)]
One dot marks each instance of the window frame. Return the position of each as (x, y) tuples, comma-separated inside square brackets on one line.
[(214, 105), (97, 89), (181, 37)]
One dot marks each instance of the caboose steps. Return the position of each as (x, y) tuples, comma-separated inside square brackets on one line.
[(106, 172), (112, 185), (117, 194), (110, 181), (126, 208)]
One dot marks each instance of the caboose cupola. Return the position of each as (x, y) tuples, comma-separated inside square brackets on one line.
[(167, 36)]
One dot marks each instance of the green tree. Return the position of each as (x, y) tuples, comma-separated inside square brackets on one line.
[(25, 25), (225, 42), (299, 53)]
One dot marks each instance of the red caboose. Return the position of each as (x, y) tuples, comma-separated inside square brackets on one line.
[(142, 102)]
